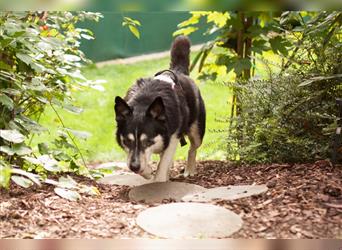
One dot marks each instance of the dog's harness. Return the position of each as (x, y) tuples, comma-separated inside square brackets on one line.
[(171, 78)]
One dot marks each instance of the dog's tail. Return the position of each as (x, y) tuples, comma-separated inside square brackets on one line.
[(180, 55)]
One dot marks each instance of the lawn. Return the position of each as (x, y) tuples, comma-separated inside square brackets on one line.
[(98, 115)]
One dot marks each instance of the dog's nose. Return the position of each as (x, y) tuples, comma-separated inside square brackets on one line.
[(134, 166)]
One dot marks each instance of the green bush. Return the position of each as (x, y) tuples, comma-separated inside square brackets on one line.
[(291, 117), (40, 63), (282, 122)]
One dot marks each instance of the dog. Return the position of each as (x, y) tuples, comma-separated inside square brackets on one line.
[(157, 112)]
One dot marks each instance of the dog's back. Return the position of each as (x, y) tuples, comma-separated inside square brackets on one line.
[(184, 105)]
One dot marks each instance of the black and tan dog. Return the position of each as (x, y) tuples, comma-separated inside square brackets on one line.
[(158, 112)]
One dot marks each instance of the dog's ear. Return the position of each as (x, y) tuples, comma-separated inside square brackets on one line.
[(122, 110), (157, 109)]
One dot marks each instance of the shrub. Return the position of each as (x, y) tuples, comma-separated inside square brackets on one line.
[(40, 63), (290, 117)]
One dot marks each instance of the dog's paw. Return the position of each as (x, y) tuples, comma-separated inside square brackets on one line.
[(188, 173)]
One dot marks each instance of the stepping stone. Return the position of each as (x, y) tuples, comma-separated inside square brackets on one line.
[(226, 193), (158, 191), (124, 179), (189, 220)]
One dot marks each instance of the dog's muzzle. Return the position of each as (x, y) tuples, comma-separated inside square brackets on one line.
[(135, 168), (134, 165)]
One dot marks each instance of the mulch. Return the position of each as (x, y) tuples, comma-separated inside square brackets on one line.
[(303, 201)]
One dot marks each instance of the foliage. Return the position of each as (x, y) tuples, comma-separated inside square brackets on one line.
[(40, 65), (238, 35), (132, 26), (291, 117)]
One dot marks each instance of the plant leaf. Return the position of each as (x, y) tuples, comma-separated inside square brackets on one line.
[(22, 181), (67, 182), (49, 163), (46, 161), (51, 182), (194, 19), (25, 58), (5, 175), (73, 109), (18, 149), (319, 78), (218, 18), (43, 148), (185, 31), (32, 177), (87, 37), (80, 134), (91, 190), (32, 160), (22, 149), (12, 136), (7, 150), (134, 30), (71, 58), (6, 101), (67, 194), (5, 66), (11, 91)]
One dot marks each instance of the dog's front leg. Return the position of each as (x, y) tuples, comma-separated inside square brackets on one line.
[(166, 160)]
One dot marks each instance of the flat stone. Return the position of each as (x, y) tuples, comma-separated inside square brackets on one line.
[(226, 193), (124, 179), (189, 220), (158, 191)]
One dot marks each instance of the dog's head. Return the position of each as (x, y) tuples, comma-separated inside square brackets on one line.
[(140, 132)]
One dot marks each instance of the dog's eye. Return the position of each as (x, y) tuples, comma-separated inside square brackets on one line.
[(146, 143), (128, 142)]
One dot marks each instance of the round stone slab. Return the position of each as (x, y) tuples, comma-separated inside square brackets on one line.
[(226, 193), (158, 191), (189, 220), (124, 179)]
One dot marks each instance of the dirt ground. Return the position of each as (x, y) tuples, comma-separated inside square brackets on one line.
[(303, 201)]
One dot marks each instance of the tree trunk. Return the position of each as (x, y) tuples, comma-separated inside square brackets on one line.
[(243, 50)]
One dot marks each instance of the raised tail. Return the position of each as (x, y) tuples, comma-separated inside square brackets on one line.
[(180, 55)]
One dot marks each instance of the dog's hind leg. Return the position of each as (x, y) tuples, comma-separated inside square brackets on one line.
[(195, 143), (166, 160)]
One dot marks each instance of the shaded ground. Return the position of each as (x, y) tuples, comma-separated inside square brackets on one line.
[(303, 201)]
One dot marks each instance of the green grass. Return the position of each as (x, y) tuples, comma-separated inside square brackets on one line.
[(98, 115)]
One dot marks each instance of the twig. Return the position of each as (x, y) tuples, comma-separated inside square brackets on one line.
[(38, 119), (72, 139), (300, 42), (338, 19)]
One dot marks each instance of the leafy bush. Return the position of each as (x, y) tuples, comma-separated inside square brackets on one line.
[(282, 122), (40, 63), (291, 117)]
